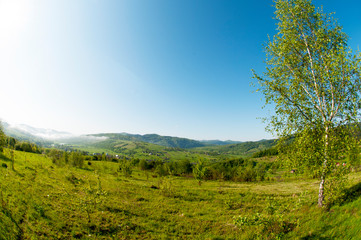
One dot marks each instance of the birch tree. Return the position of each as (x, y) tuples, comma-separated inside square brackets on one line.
[(312, 79)]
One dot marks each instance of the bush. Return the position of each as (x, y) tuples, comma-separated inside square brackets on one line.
[(56, 157), (184, 167), (162, 170), (247, 174), (126, 168), (23, 146), (200, 171), (143, 165), (77, 159)]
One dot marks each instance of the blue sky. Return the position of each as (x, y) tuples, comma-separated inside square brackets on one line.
[(171, 67)]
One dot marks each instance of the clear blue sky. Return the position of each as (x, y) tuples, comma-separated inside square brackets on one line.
[(171, 67)]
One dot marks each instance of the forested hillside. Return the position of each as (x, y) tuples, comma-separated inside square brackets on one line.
[(166, 141), (243, 149)]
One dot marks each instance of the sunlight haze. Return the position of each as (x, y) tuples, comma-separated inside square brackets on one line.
[(175, 68)]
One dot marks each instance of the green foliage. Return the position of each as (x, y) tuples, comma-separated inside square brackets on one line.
[(240, 149), (353, 152), (179, 168), (184, 167), (200, 171), (162, 170), (247, 174), (233, 203), (143, 165), (272, 226), (10, 142), (166, 141), (41, 200), (76, 159), (90, 199), (165, 184), (267, 152), (27, 147), (306, 154), (239, 170), (313, 80), (125, 167), (55, 156), (256, 219), (62, 158), (2, 138), (23, 136)]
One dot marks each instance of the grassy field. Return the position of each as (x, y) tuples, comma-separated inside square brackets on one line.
[(39, 200), (143, 150)]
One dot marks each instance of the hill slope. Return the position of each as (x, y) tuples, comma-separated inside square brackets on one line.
[(40, 200), (23, 135), (120, 143), (166, 141), (244, 149), (132, 144)]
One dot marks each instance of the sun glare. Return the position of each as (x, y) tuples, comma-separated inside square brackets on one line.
[(14, 15)]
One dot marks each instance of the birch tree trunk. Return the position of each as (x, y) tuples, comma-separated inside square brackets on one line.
[(321, 190)]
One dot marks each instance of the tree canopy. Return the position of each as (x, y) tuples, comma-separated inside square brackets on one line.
[(313, 80)]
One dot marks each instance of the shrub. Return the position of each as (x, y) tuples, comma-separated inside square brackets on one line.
[(162, 170), (76, 159), (200, 171), (126, 168), (143, 165), (247, 174), (184, 166)]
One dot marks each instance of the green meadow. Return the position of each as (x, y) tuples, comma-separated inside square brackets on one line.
[(43, 200)]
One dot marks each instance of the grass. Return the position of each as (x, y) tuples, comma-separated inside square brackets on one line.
[(40, 200), (143, 150)]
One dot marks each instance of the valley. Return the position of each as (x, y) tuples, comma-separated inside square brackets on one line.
[(40, 200), (117, 187)]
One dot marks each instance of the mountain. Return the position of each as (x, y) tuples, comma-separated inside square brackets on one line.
[(165, 141), (45, 137), (26, 130), (120, 142), (24, 133), (219, 142), (40, 135), (244, 148)]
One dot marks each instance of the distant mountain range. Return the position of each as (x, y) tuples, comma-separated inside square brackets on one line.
[(24, 130), (165, 141), (25, 133), (46, 137), (120, 142), (219, 142), (39, 135)]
